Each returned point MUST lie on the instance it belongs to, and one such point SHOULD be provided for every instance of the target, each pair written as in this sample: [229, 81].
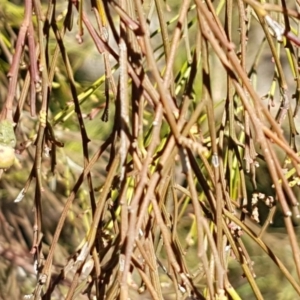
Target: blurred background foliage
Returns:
[157, 149]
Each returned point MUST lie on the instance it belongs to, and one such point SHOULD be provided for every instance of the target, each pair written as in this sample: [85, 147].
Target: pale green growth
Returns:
[7, 156]
[7, 144]
[7, 134]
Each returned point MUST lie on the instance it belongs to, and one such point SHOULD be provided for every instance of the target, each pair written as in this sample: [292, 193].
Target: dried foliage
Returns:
[143, 183]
